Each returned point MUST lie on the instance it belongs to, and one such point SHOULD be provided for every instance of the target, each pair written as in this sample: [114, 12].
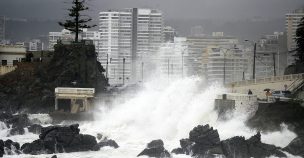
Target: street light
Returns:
[224, 68]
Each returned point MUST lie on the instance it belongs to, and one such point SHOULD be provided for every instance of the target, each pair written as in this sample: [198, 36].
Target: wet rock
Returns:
[11, 147]
[17, 131]
[1, 148]
[155, 149]
[296, 146]
[37, 147]
[108, 142]
[20, 121]
[178, 151]
[61, 139]
[186, 145]
[35, 128]
[235, 147]
[204, 138]
[155, 143]
[54, 156]
[258, 149]
[99, 136]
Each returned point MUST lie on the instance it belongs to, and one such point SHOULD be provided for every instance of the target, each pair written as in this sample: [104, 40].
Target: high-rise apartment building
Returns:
[292, 21]
[169, 34]
[2, 28]
[197, 46]
[225, 64]
[128, 38]
[172, 58]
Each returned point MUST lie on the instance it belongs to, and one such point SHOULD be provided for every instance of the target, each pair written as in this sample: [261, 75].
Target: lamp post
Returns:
[107, 66]
[123, 70]
[224, 68]
[142, 72]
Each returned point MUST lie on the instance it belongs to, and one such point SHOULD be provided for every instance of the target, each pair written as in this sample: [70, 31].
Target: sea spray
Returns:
[162, 110]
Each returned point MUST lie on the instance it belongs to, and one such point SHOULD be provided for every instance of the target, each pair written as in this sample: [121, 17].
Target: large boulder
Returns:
[108, 142]
[238, 147]
[296, 146]
[235, 147]
[61, 139]
[204, 138]
[155, 149]
[35, 128]
[11, 147]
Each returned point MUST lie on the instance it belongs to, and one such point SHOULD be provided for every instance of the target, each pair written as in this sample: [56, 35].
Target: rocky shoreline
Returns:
[203, 141]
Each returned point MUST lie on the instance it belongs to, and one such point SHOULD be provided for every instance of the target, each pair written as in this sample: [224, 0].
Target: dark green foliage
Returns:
[300, 42]
[77, 21]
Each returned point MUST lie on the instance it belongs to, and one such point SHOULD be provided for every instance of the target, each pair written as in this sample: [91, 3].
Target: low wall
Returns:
[6, 69]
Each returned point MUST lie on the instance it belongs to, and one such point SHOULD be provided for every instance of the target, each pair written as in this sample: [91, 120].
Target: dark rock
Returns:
[204, 138]
[296, 146]
[108, 142]
[5, 116]
[99, 136]
[11, 147]
[178, 151]
[155, 144]
[238, 147]
[235, 147]
[186, 145]
[60, 139]
[270, 116]
[157, 150]
[37, 147]
[1, 148]
[20, 121]
[54, 156]
[35, 128]
[17, 131]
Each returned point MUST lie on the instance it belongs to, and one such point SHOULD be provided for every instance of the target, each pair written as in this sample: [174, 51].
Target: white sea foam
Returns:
[163, 110]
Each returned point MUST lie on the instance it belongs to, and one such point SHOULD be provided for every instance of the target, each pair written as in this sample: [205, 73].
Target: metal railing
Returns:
[67, 90]
[267, 80]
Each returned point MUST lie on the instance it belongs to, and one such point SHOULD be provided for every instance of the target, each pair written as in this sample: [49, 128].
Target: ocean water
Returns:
[162, 109]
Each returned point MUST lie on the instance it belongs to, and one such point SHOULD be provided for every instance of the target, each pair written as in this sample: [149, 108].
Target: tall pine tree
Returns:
[300, 42]
[77, 21]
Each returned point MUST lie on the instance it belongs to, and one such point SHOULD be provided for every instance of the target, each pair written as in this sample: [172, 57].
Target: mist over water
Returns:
[162, 109]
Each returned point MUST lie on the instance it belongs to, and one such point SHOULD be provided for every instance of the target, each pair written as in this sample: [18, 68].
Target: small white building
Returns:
[9, 56]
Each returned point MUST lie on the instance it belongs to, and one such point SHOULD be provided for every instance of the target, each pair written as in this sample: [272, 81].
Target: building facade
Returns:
[226, 64]
[128, 38]
[271, 55]
[172, 59]
[292, 21]
[196, 50]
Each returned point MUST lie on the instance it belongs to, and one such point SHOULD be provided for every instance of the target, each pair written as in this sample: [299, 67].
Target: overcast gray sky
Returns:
[173, 9]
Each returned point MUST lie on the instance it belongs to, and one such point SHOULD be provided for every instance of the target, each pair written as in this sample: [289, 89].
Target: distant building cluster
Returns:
[131, 43]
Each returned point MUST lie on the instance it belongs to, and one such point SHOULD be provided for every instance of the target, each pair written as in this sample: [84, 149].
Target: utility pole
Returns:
[107, 66]
[123, 71]
[224, 80]
[274, 65]
[142, 72]
[254, 56]
[168, 69]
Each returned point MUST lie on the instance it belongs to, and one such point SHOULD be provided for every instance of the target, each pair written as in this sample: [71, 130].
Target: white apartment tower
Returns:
[128, 38]
[292, 21]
